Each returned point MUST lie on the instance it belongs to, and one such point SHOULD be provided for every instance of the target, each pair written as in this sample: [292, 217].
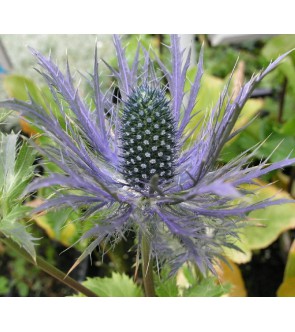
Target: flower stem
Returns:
[147, 268]
[282, 100]
[49, 269]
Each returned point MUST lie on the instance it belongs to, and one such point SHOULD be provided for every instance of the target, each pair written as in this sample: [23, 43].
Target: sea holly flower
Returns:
[128, 163]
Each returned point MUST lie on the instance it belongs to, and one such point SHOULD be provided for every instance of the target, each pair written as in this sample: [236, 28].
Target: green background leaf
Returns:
[265, 225]
[207, 288]
[165, 285]
[15, 172]
[4, 285]
[119, 285]
[287, 288]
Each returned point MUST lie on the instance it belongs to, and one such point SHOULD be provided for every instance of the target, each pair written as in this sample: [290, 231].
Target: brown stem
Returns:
[49, 269]
[291, 180]
[282, 100]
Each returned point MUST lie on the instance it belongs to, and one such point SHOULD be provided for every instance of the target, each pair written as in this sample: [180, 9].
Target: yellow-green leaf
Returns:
[265, 225]
[233, 276]
[275, 219]
[58, 225]
[279, 45]
[290, 267]
[287, 288]
[208, 96]
[20, 87]
[251, 108]
[237, 256]
[118, 285]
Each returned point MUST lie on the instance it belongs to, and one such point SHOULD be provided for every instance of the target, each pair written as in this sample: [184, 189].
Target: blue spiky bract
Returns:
[180, 200]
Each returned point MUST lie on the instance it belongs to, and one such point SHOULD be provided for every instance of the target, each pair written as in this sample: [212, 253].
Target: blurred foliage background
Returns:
[267, 266]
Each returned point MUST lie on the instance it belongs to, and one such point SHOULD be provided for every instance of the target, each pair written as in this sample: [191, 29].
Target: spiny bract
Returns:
[128, 163]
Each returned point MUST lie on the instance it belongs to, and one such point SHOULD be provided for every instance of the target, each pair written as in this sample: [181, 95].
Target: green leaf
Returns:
[59, 225]
[15, 168]
[290, 266]
[146, 40]
[265, 225]
[287, 288]
[19, 234]
[262, 130]
[17, 213]
[15, 172]
[7, 153]
[231, 274]
[207, 287]
[288, 128]
[279, 45]
[166, 286]
[250, 109]
[119, 285]
[208, 96]
[192, 283]
[4, 285]
[274, 219]
[23, 288]
[238, 256]
[20, 87]
[4, 114]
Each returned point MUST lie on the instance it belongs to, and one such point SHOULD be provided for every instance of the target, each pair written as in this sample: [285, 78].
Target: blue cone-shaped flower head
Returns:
[148, 138]
[129, 162]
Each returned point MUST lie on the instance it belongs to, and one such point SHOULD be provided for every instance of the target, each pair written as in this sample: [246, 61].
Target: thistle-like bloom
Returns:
[126, 162]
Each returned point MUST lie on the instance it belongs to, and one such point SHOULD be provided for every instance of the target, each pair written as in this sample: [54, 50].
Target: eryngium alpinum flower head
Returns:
[127, 162]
